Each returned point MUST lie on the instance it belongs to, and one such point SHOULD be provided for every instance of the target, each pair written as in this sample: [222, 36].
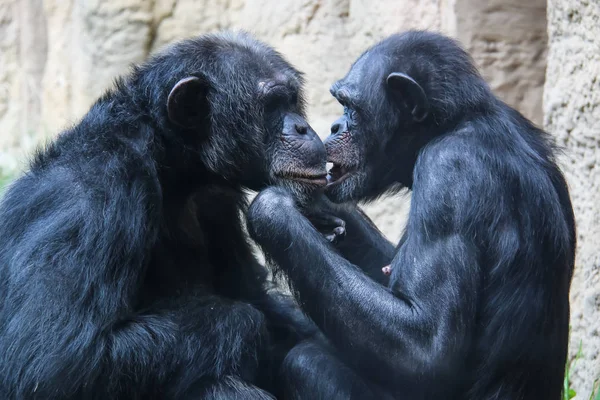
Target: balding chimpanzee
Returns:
[125, 272]
[477, 304]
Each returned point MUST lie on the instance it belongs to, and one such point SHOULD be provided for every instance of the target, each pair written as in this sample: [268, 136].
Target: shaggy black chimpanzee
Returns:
[477, 305]
[124, 269]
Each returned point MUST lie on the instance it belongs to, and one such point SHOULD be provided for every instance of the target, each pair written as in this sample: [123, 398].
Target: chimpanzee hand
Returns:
[269, 211]
[274, 206]
[322, 215]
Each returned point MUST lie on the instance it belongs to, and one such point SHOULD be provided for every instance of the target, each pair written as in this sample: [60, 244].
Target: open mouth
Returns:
[337, 174]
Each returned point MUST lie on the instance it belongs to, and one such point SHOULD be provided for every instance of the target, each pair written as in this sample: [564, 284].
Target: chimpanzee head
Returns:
[397, 96]
[238, 107]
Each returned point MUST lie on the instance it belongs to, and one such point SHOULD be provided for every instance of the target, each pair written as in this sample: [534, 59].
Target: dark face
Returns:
[295, 155]
[354, 138]
[347, 146]
[248, 106]
[366, 142]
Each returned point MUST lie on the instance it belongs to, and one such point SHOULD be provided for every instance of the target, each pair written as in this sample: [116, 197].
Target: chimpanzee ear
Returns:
[187, 104]
[411, 93]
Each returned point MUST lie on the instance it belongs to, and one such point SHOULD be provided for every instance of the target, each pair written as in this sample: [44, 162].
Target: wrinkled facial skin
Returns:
[353, 137]
[344, 150]
[373, 145]
[244, 115]
[297, 154]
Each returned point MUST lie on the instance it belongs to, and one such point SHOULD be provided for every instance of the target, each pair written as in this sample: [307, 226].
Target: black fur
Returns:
[477, 305]
[125, 272]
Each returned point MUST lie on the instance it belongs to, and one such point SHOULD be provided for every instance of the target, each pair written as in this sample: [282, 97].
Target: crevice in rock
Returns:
[155, 25]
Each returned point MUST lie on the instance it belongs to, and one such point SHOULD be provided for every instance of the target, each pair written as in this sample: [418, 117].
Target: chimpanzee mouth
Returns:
[338, 173]
[316, 180]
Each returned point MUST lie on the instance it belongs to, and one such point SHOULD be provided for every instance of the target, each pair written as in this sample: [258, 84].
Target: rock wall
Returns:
[572, 114]
[507, 39]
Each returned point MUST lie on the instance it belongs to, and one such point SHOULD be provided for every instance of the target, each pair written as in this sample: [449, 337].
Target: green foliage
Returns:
[569, 393]
[595, 390]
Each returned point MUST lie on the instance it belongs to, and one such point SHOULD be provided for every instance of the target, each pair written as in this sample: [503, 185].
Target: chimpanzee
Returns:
[477, 304]
[125, 272]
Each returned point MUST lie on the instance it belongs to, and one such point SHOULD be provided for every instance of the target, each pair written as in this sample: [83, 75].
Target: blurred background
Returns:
[542, 57]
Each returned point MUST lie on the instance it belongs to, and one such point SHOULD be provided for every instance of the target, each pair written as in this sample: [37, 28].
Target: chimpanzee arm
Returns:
[421, 329]
[362, 243]
[212, 336]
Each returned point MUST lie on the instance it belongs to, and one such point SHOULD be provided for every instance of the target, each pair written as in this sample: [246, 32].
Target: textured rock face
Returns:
[572, 114]
[507, 39]
[57, 57]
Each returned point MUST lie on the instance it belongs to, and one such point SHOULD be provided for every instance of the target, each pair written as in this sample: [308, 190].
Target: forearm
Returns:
[364, 245]
[404, 331]
[336, 294]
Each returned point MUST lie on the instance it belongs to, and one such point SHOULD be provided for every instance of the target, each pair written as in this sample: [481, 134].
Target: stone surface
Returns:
[10, 83]
[507, 39]
[572, 114]
[90, 43]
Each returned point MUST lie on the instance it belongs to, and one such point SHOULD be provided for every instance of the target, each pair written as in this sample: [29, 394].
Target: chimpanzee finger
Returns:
[340, 231]
[330, 237]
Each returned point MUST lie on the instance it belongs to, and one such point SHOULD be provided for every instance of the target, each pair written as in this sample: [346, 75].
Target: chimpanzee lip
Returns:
[319, 180]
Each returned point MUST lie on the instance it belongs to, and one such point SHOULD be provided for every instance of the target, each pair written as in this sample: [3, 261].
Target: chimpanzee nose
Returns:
[296, 125]
[301, 128]
[335, 128]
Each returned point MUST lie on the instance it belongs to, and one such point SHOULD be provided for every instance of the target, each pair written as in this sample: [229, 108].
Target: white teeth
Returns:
[328, 166]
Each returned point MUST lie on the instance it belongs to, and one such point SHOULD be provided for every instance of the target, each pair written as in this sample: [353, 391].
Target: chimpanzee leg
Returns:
[311, 371]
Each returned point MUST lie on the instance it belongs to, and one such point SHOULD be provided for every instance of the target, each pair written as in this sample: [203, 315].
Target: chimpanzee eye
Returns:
[350, 113]
[275, 98]
[271, 103]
